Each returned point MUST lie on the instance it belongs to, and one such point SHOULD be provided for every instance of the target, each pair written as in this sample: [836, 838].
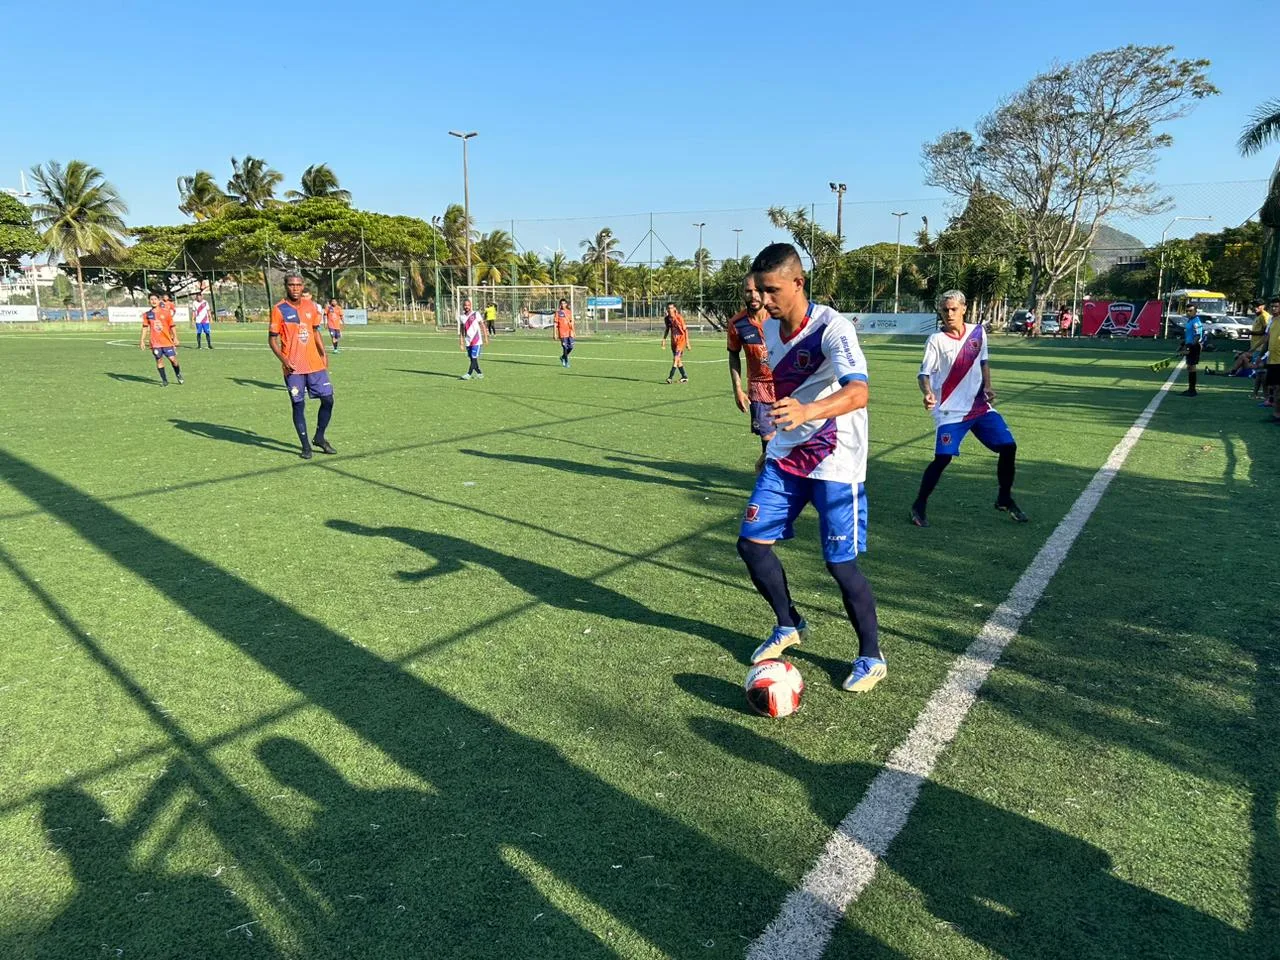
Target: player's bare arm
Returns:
[735, 378]
[273, 341]
[986, 383]
[789, 413]
[930, 401]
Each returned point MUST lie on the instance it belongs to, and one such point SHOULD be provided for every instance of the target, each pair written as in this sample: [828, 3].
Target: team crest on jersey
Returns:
[946, 439]
[753, 512]
[803, 359]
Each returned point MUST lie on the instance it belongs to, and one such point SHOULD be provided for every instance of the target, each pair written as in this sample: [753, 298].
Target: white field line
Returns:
[846, 866]
[550, 356]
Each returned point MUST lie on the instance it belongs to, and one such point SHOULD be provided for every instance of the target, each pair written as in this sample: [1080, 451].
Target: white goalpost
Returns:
[524, 306]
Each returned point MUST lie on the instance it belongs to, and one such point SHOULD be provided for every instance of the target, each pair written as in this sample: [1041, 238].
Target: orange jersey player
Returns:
[157, 324]
[333, 321]
[675, 328]
[746, 334]
[295, 339]
[564, 331]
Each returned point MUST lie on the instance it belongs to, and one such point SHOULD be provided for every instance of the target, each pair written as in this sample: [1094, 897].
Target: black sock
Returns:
[932, 474]
[177, 370]
[164, 377]
[672, 374]
[860, 605]
[1191, 379]
[1004, 472]
[322, 418]
[683, 375]
[770, 579]
[300, 422]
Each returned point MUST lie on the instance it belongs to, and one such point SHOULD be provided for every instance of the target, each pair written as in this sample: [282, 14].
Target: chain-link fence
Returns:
[864, 256]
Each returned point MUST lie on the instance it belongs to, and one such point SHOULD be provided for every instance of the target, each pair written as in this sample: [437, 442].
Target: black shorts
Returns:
[1193, 354]
[1273, 375]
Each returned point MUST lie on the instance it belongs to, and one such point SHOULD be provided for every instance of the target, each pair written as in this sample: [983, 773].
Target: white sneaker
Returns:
[465, 376]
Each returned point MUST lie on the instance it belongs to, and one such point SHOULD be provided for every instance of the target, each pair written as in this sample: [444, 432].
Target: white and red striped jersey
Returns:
[816, 361]
[200, 311]
[954, 368]
[471, 324]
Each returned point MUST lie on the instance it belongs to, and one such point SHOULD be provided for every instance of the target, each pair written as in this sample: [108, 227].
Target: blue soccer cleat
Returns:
[867, 672]
[779, 640]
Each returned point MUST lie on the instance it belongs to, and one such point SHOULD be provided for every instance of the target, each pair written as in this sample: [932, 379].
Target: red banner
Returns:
[1120, 318]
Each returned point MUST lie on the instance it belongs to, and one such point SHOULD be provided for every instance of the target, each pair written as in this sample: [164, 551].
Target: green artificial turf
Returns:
[471, 687]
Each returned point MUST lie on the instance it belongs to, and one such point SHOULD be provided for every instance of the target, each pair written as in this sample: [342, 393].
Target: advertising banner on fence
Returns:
[355, 316]
[894, 324]
[17, 314]
[1120, 318]
[134, 314]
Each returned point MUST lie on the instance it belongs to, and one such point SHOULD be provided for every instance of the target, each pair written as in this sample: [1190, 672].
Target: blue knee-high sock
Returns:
[300, 422]
[770, 579]
[322, 418]
[860, 605]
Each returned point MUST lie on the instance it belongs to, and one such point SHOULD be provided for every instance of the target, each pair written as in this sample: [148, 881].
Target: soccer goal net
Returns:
[527, 306]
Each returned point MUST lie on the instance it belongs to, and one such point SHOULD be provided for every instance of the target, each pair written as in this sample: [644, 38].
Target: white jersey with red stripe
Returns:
[200, 311]
[816, 361]
[954, 368]
[471, 324]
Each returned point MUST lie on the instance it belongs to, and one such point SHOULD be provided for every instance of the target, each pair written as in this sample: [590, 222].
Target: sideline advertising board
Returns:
[893, 324]
[354, 316]
[18, 314]
[134, 315]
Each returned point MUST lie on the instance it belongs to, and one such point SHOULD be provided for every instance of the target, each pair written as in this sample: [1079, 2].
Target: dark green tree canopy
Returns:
[17, 237]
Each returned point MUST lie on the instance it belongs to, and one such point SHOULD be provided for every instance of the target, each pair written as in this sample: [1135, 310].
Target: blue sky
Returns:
[588, 112]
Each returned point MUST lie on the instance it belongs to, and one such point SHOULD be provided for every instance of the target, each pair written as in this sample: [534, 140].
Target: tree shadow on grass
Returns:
[553, 587]
[548, 846]
[1021, 889]
[428, 373]
[703, 477]
[218, 431]
[134, 378]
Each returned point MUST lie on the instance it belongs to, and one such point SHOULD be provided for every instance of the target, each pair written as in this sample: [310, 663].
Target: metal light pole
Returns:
[838, 189]
[1164, 314]
[697, 255]
[737, 237]
[897, 259]
[438, 223]
[466, 199]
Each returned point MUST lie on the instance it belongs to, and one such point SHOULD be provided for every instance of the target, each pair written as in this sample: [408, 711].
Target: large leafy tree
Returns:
[1264, 128]
[199, 196]
[17, 237]
[78, 212]
[455, 228]
[319, 181]
[821, 246]
[1072, 147]
[253, 183]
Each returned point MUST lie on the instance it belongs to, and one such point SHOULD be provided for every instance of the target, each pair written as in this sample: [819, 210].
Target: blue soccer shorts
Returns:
[302, 385]
[566, 343]
[473, 353]
[159, 352]
[780, 496]
[990, 429]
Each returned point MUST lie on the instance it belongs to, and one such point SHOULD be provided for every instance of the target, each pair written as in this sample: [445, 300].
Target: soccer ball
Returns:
[774, 688]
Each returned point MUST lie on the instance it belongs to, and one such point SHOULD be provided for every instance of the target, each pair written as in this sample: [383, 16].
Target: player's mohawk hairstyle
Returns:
[776, 256]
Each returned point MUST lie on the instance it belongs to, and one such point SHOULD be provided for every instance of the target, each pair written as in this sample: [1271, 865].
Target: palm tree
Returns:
[558, 265]
[1263, 127]
[79, 212]
[253, 183]
[455, 227]
[532, 269]
[601, 252]
[319, 180]
[200, 196]
[492, 256]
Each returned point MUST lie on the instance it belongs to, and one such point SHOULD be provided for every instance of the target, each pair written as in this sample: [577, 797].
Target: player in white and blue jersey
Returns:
[956, 383]
[818, 455]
